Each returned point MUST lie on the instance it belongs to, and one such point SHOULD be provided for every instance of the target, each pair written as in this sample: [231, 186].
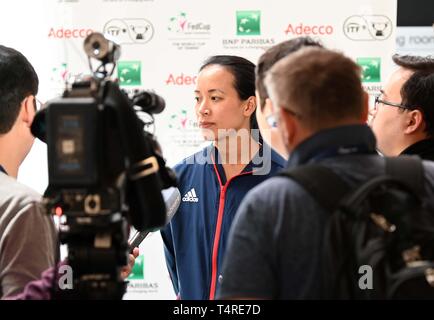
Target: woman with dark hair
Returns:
[215, 180]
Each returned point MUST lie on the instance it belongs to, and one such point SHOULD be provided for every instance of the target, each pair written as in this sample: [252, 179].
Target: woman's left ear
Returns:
[250, 106]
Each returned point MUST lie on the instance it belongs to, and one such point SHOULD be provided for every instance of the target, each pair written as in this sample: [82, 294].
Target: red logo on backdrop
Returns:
[180, 80]
[69, 33]
[307, 30]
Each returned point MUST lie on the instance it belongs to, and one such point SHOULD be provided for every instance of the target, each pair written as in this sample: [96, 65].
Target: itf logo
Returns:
[130, 73]
[129, 31]
[371, 69]
[368, 28]
[248, 23]
[138, 272]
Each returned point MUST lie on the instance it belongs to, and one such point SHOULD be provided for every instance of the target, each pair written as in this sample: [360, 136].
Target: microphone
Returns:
[149, 102]
[172, 199]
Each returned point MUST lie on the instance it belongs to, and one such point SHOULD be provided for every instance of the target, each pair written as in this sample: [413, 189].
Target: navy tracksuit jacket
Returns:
[195, 240]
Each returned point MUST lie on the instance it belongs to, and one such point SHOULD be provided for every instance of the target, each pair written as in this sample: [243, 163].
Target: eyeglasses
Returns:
[272, 118]
[398, 105]
[38, 104]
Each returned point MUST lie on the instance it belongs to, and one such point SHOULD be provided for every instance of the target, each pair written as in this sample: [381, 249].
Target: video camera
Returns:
[105, 171]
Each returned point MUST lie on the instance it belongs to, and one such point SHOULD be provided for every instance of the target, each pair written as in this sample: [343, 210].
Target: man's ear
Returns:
[250, 106]
[268, 107]
[288, 128]
[28, 110]
[414, 121]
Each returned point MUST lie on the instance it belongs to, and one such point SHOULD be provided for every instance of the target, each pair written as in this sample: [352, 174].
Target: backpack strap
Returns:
[325, 186]
[329, 189]
[408, 169]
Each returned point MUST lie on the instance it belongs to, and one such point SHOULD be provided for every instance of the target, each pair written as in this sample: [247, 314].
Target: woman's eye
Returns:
[196, 99]
[215, 98]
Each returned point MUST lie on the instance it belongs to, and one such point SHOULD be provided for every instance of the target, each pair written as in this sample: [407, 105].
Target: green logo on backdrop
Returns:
[371, 69]
[138, 272]
[130, 73]
[248, 23]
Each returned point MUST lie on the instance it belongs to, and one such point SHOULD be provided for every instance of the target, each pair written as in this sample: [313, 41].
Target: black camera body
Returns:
[71, 142]
[105, 175]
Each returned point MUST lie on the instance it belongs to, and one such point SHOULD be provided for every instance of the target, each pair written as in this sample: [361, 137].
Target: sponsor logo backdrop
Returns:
[163, 44]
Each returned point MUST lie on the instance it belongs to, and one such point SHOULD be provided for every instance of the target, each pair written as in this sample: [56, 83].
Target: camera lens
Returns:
[96, 46]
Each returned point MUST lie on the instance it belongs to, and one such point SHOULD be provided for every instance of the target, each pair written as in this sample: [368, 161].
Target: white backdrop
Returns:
[163, 44]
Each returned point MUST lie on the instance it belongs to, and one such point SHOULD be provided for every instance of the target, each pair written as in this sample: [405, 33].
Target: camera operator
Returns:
[27, 234]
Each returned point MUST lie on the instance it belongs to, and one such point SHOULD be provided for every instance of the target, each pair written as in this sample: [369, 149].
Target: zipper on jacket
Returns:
[214, 266]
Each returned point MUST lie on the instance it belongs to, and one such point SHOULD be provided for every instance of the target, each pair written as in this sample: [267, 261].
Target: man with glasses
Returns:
[27, 233]
[403, 116]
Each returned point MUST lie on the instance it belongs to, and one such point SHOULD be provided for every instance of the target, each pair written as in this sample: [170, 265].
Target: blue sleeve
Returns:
[169, 253]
